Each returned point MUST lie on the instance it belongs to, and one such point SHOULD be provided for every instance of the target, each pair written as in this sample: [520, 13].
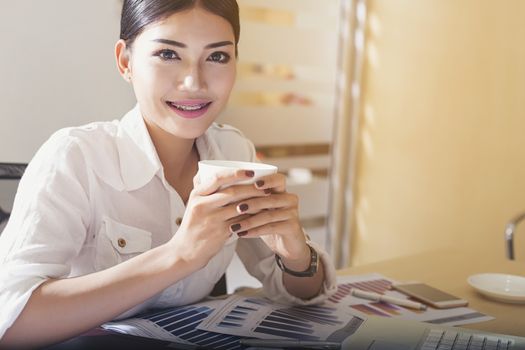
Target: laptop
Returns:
[383, 333]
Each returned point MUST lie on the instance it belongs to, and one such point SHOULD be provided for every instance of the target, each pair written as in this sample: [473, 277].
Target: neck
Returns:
[174, 153]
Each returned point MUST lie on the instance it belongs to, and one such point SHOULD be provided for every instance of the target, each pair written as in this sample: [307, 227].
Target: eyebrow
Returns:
[182, 45]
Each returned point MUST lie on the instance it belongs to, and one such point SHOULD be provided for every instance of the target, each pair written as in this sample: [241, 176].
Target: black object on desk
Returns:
[101, 339]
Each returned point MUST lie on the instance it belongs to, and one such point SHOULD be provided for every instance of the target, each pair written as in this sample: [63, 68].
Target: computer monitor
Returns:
[10, 174]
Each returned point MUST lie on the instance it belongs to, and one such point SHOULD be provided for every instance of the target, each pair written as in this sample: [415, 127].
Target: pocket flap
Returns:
[127, 239]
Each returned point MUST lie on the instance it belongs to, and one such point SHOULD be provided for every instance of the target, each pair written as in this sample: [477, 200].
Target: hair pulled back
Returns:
[137, 14]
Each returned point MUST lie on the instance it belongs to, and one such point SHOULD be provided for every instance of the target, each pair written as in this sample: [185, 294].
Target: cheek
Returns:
[153, 81]
[223, 82]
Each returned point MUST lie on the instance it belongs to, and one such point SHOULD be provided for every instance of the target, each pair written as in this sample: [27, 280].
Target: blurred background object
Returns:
[10, 174]
[439, 148]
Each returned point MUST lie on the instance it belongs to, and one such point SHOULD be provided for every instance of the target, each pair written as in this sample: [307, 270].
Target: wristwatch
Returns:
[309, 272]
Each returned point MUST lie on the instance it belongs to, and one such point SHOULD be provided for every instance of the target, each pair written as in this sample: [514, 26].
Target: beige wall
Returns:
[57, 69]
[441, 157]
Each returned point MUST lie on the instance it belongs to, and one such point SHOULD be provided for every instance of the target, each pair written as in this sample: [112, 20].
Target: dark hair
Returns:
[137, 14]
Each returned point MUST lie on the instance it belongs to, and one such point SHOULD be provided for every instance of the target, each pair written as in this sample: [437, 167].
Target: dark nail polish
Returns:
[235, 227]
[243, 207]
[242, 234]
[250, 173]
[260, 183]
[268, 191]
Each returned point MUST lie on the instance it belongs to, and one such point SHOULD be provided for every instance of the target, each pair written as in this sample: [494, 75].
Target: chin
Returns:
[189, 130]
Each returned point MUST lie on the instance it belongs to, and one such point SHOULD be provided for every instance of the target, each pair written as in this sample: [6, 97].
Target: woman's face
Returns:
[182, 70]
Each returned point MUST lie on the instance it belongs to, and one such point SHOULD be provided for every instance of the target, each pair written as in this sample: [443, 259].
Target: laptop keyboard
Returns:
[438, 339]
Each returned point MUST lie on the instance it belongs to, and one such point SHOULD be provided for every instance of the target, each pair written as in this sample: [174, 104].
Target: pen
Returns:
[388, 299]
[290, 343]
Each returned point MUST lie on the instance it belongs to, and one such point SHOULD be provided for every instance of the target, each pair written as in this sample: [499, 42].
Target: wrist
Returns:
[177, 263]
[299, 263]
[293, 267]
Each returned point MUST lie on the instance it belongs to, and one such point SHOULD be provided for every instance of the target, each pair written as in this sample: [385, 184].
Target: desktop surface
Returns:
[448, 270]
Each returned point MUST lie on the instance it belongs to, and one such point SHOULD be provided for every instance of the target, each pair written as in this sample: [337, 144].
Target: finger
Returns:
[279, 227]
[223, 178]
[230, 215]
[275, 183]
[264, 218]
[196, 181]
[236, 193]
[224, 201]
[220, 216]
[275, 201]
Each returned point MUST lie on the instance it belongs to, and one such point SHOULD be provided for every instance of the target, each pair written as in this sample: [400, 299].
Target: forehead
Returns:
[194, 24]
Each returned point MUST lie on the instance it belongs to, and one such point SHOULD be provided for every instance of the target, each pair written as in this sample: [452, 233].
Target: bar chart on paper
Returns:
[178, 325]
[260, 318]
[380, 284]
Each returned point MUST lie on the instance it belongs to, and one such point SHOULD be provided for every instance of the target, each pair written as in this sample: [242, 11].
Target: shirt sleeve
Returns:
[47, 226]
[259, 261]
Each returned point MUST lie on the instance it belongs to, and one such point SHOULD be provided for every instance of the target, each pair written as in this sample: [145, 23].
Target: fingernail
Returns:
[260, 183]
[268, 191]
[235, 227]
[242, 234]
[250, 173]
[243, 207]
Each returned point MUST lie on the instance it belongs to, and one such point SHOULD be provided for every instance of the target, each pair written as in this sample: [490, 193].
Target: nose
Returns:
[190, 80]
[189, 83]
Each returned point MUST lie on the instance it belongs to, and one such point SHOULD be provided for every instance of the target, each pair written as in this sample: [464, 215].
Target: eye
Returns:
[167, 55]
[219, 57]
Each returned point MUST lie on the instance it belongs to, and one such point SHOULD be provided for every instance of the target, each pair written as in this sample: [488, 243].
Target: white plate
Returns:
[498, 286]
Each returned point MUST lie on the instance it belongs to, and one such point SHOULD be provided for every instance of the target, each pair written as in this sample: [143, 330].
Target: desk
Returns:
[448, 270]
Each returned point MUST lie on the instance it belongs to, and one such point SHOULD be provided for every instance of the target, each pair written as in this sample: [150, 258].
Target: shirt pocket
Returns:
[118, 242]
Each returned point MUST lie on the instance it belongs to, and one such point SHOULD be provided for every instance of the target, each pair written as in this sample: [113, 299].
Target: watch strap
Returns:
[309, 272]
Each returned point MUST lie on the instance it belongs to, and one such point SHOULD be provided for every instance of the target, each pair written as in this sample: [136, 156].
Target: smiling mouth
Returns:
[190, 108]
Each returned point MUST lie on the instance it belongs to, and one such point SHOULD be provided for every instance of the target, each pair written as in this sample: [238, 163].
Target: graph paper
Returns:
[261, 318]
[380, 284]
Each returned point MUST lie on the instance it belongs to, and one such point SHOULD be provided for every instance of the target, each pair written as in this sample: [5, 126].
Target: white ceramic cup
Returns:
[208, 169]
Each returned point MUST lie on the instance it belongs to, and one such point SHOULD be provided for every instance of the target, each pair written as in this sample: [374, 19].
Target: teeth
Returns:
[189, 108]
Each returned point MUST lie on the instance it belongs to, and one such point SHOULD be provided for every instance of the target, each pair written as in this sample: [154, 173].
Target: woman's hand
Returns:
[274, 218]
[210, 212]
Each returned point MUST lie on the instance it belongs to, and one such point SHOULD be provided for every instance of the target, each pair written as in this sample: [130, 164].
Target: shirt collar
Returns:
[139, 161]
[138, 157]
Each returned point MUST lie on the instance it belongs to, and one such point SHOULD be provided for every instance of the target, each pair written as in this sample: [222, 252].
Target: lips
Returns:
[190, 109]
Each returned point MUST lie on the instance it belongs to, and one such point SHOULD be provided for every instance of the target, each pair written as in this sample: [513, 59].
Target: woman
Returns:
[110, 218]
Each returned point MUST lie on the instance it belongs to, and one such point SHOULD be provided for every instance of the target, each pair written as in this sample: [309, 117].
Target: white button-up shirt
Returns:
[94, 196]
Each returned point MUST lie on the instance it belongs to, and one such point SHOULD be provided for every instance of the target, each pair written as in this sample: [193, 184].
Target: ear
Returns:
[122, 55]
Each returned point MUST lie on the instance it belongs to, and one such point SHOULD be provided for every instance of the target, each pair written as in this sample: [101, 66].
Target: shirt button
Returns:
[220, 125]
[121, 242]
[178, 221]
